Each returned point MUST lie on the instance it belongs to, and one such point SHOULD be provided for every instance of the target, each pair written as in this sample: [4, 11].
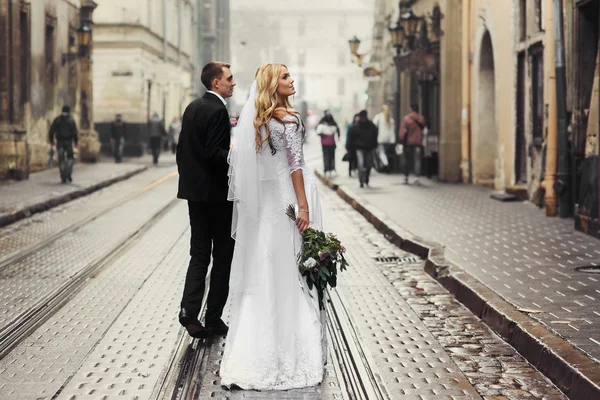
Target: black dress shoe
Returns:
[192, 325]
[217, 328]
[186, 317]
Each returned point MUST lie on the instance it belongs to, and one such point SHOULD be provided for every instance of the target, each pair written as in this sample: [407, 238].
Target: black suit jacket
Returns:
[202, 151]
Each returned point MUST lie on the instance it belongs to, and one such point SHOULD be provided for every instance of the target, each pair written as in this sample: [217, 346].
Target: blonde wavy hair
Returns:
[386, 113]
[267, 81]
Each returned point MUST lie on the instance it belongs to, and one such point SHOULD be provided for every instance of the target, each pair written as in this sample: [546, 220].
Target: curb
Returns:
[28, 211]
[571, 371]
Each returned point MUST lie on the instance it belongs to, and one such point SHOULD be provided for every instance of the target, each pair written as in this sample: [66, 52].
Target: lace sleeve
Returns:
[293, 139]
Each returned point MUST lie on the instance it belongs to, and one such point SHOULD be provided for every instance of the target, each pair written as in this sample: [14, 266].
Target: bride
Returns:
[276, 337]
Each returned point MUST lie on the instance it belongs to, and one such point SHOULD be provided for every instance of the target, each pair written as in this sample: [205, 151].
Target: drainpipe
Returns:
[563, 184]
[466, 166]
[552, 138]
[165, 30]
[179, 5]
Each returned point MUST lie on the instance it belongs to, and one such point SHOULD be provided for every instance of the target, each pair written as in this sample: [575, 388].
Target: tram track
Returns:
[357, 379]
[28, 251]
[22, 325]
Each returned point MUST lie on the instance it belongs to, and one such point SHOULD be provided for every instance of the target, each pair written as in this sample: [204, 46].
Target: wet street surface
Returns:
[90, 293]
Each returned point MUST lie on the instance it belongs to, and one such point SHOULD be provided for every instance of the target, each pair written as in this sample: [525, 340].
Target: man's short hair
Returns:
[363, 114]
[211, 71]
[66, 109]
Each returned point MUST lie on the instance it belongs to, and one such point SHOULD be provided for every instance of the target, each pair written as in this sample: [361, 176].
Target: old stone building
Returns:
[145, 55]
[39, 73]
[584, 77]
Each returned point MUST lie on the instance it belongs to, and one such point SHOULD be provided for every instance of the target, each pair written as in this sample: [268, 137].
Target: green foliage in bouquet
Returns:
[321, 256]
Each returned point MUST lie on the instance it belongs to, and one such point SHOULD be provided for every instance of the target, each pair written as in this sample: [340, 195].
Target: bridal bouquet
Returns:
[321, 256]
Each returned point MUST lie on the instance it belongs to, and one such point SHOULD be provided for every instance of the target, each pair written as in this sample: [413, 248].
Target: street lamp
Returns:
[398, 37]
[410, 23]
[84, 38]
[354, 44]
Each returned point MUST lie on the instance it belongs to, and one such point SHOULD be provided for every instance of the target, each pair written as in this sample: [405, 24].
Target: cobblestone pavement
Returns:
[44, 190]
[513, 248]
[115, 337]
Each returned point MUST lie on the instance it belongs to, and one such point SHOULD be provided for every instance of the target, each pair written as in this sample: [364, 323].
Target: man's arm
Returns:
[217, 135]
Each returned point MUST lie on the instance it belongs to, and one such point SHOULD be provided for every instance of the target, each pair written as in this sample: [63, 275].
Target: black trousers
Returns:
[155, 146]
[211, 233]
[328, 157]
[65, 159]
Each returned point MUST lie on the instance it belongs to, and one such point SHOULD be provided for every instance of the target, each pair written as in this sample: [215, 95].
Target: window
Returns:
[341, 58]
[301, 27]
[538, 14]
[341, 86]
[49, 48]
[537, 77]
[523, 20]
[301, 58]
[25, 52]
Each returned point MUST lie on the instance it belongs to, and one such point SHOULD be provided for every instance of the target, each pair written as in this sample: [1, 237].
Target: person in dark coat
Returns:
[351, 154]
[63, 133]
[118, 132]
[362, 139]
[156, 133]
[202, 153]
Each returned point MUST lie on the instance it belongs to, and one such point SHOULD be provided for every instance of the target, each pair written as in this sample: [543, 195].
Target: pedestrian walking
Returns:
[350, 156]
[157, 132]
[202, 153]
[118, 132]
[386, 138]
[411, 137]
[327, 129]
[174, 131]
[63, 134]
[362, 139]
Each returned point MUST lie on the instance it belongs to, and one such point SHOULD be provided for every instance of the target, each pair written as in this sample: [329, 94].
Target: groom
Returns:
[202, 163]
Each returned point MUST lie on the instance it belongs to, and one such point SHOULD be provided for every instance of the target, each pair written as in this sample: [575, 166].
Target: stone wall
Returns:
[37, 84]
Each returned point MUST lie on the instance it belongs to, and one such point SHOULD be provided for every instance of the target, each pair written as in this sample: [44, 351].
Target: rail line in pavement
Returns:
[22, 254]
[21, 326]
[189, 364]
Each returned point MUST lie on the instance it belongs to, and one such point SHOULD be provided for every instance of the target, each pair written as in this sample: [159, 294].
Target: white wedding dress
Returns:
[276, 337]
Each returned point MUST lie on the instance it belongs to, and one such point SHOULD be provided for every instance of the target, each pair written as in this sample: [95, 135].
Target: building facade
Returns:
[311, 38]
[584, 77]
[38, 76]
[434, 89]
[146, 55]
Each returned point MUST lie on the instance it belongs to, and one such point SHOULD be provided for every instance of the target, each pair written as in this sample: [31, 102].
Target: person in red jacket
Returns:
[411, 137]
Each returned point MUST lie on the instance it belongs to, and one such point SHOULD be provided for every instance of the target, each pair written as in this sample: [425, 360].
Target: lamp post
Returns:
[398, 37]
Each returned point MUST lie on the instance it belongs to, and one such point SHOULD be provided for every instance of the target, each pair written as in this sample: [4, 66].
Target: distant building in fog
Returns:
[311, 38]
[145, 57]
[215, 33]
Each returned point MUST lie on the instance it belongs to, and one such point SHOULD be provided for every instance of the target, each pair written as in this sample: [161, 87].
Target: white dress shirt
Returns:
[219, 96]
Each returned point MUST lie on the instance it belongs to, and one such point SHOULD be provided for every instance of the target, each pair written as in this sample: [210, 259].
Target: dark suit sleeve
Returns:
[218, 137]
